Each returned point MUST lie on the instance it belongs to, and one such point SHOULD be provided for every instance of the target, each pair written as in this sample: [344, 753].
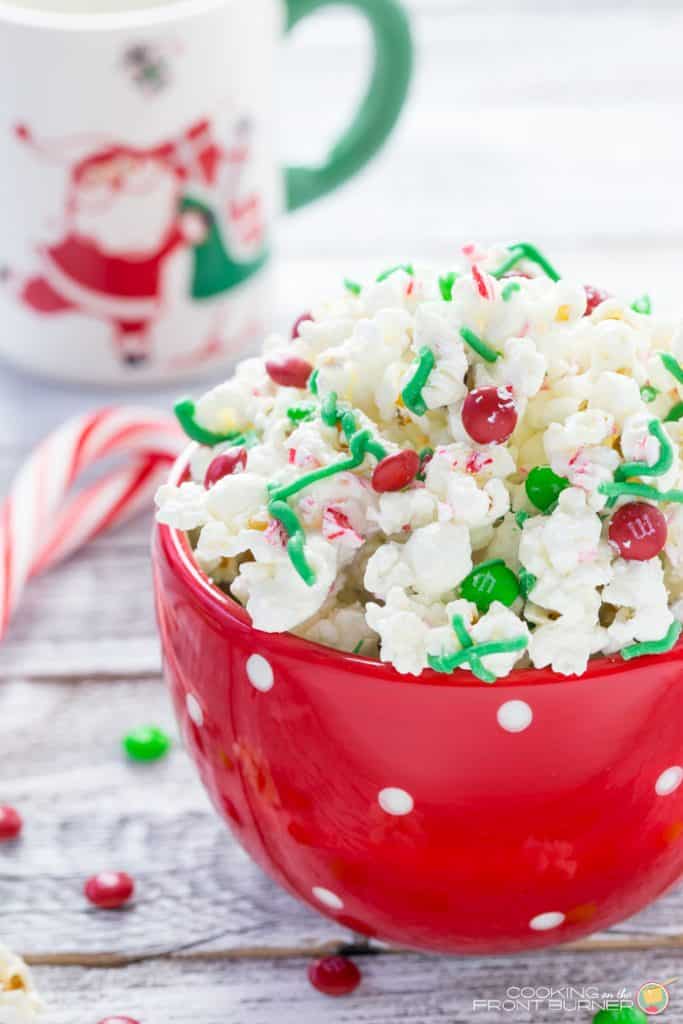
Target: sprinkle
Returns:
[488, 582]
[480, 282]
[642, 305]
[479, 346]
[674, 414]
[653, 646]
[185, 411]
[509, 290]
[301, 413]
[525, 251]
[328, 410]
[672, 365]
[147, 743]
[352, 286]
[471, 654]
[521, 517]
[648, 393]
[357, 648]
[408, 267]
[527, 581]
[313, 382]
[446, 286]
[412, 392]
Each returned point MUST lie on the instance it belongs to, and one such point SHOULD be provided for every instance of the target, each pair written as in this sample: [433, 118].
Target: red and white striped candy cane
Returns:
[44, 518]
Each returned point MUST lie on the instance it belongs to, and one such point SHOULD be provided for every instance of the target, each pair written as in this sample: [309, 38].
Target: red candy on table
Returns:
[289, 371]
[225, 465]
[118, 1020]
[638, 531]
[594, 297]
[297, 324]
[334, 975]
[489, 415]
[396, 471]
[109, 889]
[10, 823]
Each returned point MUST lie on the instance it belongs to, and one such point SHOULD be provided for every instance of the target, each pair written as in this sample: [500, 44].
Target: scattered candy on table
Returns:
[334, 975]
[11, 823]
[473, 470]
[109, 889]
[118, 1020]
[147, 743]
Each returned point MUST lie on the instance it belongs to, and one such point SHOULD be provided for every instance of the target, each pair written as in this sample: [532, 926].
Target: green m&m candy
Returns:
[146, 743]
[543, 487]
[488, 582]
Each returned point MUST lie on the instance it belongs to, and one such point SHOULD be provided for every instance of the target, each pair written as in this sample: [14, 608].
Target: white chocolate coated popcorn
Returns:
[19, 1001]
[425, 425]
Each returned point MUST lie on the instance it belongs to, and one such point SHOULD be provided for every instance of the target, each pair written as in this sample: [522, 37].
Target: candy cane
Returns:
[44, 518]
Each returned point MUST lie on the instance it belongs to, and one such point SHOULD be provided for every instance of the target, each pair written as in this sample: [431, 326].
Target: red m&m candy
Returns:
[297, 324]
[10, 823]
[289, 371]
[395, 471]
[109, 889]
[489, 415]
[638, 531]
[118, 1020]
[334, 975]
[594, 298]
[225, 465]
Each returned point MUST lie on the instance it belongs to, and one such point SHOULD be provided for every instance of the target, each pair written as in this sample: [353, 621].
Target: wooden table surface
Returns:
[558, 123]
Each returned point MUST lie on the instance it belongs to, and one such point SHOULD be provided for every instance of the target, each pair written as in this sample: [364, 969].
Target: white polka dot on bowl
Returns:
[544, 922]
[514, 715]
[395, 801]
[194, 709]
[260, 673]
[327, 898]
[669, 781]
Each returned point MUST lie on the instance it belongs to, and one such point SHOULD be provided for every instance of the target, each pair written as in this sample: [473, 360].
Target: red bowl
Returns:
[441, 813]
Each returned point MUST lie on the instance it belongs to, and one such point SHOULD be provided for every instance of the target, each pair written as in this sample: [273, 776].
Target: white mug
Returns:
[138, 186]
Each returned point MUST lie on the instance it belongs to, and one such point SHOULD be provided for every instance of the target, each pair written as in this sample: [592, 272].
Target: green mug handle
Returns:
[380, 108]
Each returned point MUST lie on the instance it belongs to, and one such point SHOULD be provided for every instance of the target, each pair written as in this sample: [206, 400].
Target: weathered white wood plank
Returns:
[410, 989]
[87, 809]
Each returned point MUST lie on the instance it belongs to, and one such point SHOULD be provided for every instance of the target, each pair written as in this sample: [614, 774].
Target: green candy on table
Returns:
[620, 1015]
[147, 743]
[543, 487]
[488, 582]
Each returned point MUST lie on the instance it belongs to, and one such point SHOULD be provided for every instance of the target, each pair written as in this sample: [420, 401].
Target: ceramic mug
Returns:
[138, 183]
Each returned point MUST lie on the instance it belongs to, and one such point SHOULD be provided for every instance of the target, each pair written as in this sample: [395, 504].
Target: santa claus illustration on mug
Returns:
[126, 211]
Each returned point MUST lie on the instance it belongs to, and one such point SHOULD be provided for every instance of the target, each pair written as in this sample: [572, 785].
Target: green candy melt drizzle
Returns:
[352, 286]
[296, 543]
[671, 364]
[471, 653]
[313, 383]
[479, 346]
[361, 443]
[642, 305]
[659, 468]
[635, 490]
[674, 414]
[408, 267]
[525, 251]
[412, 392]
[185, 412]
[300, 413]
[509, 290]
[527, 581]
[653, 646]
[446, 286]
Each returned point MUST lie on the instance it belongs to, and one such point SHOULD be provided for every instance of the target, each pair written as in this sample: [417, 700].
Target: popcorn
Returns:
[19, 1001]
[522, 419]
